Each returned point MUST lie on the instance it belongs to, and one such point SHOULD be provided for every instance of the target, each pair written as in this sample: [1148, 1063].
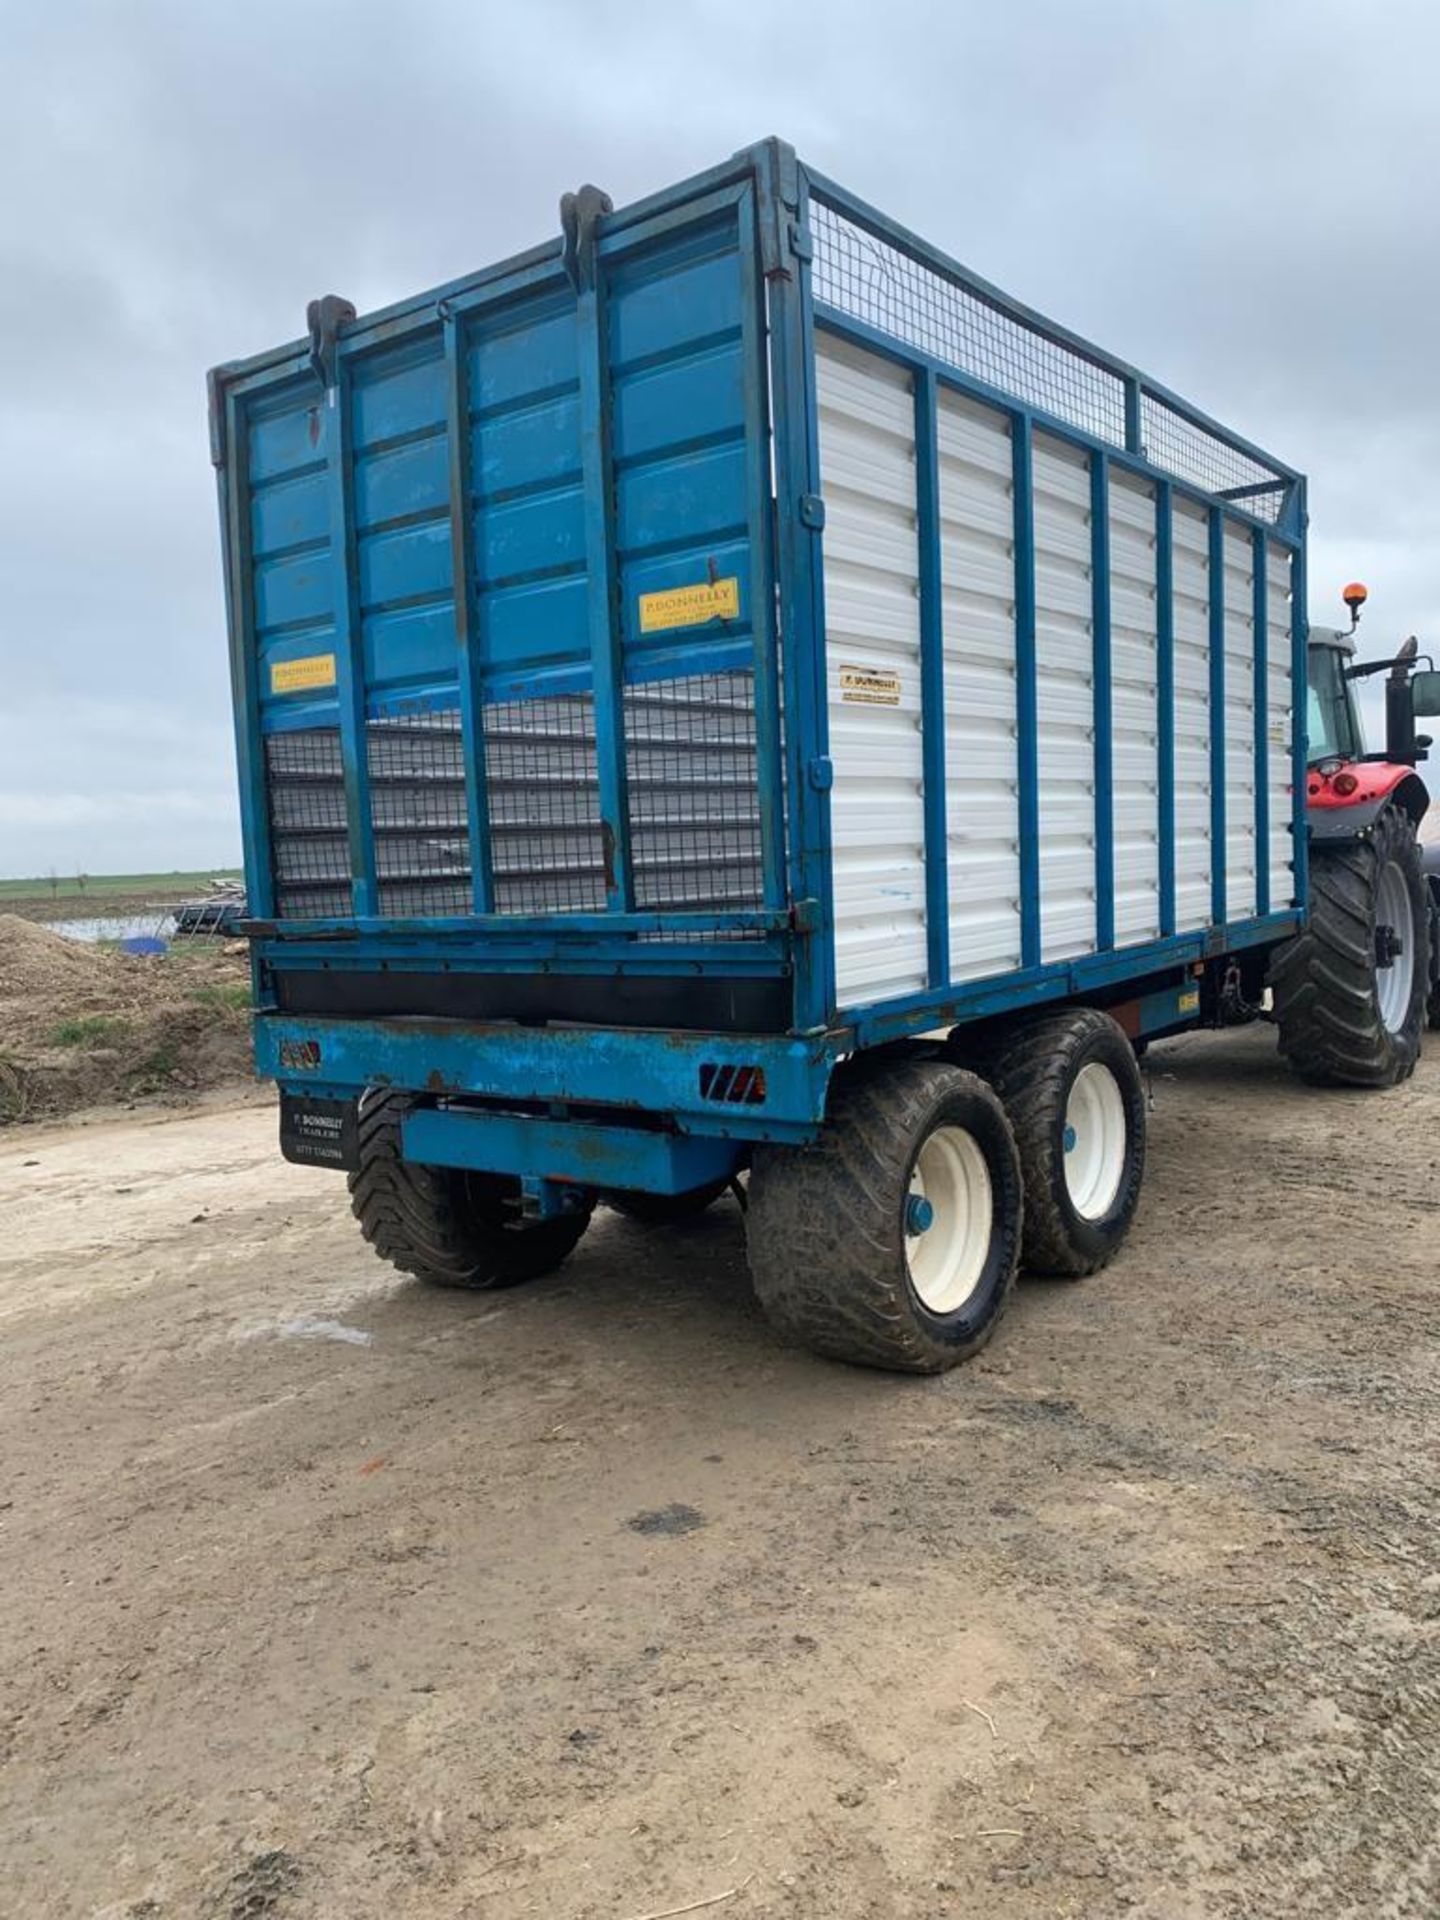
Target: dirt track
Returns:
[329, 1596]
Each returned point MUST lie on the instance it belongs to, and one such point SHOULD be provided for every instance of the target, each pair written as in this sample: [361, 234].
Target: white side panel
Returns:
[1065, 663]
[1240, 855]
[1191, 571]
[872, 628]
[1134, 674]
[1279, 721]
[977, 533]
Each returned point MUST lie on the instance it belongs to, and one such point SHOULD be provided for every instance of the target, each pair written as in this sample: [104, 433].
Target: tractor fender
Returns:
[1335, 818]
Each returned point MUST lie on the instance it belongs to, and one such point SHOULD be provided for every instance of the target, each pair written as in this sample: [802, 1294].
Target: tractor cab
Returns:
[1332, 720]
[1346, 787]
[1412, 690]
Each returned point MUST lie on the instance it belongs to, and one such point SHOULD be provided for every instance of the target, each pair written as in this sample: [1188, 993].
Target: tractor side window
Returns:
[1328, 722]
[1317, 726]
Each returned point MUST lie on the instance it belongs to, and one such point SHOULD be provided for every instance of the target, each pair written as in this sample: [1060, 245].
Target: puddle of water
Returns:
[309, 1327]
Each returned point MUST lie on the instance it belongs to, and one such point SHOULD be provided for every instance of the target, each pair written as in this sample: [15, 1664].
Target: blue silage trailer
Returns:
[730, 690]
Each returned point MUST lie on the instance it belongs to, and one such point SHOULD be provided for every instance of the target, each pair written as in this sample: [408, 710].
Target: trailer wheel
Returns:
[1350, 990]
[667, 1209]
[1070, 1084]
[448, 1227]
[892, 1241]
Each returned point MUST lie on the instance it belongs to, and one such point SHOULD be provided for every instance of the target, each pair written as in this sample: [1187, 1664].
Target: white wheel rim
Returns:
[1095, 1141]
[1394, 983]
[947, 1259]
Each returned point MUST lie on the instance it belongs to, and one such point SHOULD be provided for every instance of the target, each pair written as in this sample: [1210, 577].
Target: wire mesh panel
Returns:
[546, 850]
[897, 294]
[694, 798]
[419, 812]
[310, 853]
[1205, 460]
[885, 287]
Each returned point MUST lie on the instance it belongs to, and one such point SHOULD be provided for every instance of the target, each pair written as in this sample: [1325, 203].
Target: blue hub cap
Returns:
[919, 1214]
[1069, 1139]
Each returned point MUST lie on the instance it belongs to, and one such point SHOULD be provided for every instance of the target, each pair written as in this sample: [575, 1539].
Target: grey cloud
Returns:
[1239, 197]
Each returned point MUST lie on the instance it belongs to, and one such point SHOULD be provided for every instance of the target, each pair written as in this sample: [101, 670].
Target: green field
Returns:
[113, 886]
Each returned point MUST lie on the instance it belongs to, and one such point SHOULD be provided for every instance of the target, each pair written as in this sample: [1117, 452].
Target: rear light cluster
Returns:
[732, 1086]
[1344, 783]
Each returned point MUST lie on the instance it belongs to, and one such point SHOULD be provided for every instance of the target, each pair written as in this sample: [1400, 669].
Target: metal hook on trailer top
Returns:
[579, 213]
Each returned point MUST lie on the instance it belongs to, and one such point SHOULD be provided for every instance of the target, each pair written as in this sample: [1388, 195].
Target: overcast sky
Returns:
[1242, 196]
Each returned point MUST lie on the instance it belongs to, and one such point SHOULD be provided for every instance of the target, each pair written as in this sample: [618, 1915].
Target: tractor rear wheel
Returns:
[1350, 990]
[446, 1226]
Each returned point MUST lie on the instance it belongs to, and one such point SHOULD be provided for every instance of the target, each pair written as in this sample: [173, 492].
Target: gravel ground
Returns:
[326, 1595]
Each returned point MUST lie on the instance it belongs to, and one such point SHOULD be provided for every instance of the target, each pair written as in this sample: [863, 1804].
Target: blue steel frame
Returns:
[656, 1073]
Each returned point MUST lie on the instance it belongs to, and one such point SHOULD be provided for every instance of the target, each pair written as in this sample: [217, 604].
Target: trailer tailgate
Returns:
[499, 582]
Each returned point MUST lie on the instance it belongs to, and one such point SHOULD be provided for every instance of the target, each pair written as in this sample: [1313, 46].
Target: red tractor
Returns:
[1352, 993]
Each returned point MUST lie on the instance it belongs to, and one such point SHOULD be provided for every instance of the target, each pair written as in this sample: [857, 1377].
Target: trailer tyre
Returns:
[667, 1209]
[1350, 990]
[1070, 1084]
[892, 1240]
[448, 1227]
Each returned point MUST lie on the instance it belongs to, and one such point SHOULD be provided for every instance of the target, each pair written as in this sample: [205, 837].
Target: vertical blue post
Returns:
[1104, 702]
[605, 648]
[469, 660]
[800, 516]
[1027, 704]
[932, 678]
[234, 483]
[1262, 725]
[1299, 683]
[760, 531]
[1218, 849]
[1165, 699]
[349, 644]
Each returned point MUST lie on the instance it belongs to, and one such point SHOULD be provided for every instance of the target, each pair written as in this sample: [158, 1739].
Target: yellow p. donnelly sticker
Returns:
[690, 606]
[303, 676]
[870, 686]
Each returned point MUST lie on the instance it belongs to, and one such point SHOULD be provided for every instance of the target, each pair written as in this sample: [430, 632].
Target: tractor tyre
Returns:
[1350, 991]
[1073, 1092]
[892, 1240]
[667, 1209]
[1430, 858]
[445, 1225]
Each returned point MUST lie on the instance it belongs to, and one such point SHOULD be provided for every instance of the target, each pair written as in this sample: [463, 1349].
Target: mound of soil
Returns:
[83, 1025]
